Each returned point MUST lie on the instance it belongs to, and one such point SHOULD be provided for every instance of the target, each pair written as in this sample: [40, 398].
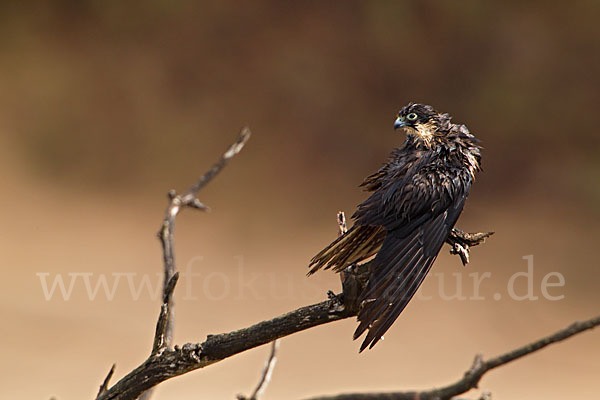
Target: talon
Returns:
[462, 251]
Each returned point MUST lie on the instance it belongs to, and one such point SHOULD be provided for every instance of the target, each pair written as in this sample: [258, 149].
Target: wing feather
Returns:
[356, 245]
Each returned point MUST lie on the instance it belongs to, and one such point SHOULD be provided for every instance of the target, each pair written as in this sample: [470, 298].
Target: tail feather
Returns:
[358, 244]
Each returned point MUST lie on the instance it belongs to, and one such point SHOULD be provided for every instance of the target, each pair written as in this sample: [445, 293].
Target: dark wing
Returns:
[375, 180]
[418, 213]
[359, 243]
[356, 245]
[398, 162]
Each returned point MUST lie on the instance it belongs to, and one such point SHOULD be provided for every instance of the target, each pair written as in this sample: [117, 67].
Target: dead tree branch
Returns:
[164, 327]
[191, 356]
[176, 204]
[166, 321]
[471, 378]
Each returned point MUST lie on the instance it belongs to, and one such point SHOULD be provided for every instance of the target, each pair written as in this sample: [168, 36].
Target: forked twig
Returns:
[164, 327]
[176, 204]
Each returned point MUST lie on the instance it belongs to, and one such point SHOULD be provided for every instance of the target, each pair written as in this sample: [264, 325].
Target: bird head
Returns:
[417, 120]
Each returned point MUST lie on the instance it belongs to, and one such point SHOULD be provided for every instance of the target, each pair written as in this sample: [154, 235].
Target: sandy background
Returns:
[104, 107]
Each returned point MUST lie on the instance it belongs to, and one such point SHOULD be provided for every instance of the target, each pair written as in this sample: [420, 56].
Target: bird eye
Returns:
[411, 116]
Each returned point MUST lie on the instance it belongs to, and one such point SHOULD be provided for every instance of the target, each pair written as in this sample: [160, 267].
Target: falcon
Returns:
[416, 198]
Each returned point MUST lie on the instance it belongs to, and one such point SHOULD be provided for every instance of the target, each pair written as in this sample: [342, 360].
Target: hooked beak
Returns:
[399, 123]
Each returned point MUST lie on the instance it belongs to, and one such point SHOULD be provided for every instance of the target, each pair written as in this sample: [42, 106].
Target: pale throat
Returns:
[424, 131]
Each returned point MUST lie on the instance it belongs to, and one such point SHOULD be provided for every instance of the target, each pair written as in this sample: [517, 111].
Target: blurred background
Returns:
[104, 106]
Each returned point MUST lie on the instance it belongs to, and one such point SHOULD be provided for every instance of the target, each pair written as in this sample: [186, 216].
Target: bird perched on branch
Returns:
[417, 196]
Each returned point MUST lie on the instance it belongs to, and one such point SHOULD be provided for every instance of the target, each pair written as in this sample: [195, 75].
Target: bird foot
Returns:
[461, 242]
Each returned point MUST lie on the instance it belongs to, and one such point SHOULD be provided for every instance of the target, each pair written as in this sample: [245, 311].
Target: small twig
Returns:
[471, 378]
[342, 229]
[233, 150]
[188, 199]
[266, 373]
[160, 337]
[104, 384]
[341, 219]
[354, 277]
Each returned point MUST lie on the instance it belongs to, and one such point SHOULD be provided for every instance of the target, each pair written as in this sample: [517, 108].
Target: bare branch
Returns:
[191, 356]
[234, 149]
[188, 199]
[471, 378]
[268, 371]
[164, 327]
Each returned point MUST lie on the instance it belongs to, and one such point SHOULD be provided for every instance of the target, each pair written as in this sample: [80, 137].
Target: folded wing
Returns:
[418, 211]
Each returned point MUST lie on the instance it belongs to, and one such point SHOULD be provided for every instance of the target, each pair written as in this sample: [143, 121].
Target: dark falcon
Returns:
[416, 199]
